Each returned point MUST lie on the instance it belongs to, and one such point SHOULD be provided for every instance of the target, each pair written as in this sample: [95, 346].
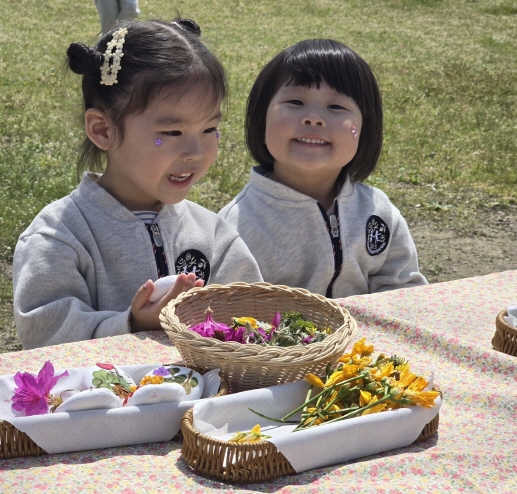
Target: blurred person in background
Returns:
[113, 11]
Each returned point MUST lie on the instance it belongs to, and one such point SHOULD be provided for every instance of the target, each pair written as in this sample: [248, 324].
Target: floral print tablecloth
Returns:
[447, 327]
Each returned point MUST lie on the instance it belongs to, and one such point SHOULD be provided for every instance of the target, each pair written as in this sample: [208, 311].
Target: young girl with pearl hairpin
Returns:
[152, 97]
[314, 126]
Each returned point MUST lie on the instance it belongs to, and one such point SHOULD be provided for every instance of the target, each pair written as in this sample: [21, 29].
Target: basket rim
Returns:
[256, 350]
[503, 323]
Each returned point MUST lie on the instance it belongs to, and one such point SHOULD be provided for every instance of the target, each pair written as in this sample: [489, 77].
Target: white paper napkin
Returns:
[511, 318]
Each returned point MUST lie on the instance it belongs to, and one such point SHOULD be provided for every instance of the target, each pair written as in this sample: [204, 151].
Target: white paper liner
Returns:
[95, 429]
[318, 446]
[511, 318]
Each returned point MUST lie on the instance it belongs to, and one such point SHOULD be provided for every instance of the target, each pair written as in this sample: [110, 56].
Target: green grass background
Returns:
[447, 71]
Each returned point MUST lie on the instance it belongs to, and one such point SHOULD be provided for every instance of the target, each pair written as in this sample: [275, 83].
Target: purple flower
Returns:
[161, 371]
[208, 327]
[32, 393]
[307, 339]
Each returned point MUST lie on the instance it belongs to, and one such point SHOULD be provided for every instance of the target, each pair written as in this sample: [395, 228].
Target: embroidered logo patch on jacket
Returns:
[193, 261]
[377, 235]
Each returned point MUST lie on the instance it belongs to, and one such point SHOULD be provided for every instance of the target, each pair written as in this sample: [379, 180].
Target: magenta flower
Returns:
[208, 327]
[33, 392]
[276, 320]
[238, 334]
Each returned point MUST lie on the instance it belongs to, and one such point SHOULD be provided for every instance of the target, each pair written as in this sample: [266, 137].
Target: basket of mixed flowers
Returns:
[257, 334]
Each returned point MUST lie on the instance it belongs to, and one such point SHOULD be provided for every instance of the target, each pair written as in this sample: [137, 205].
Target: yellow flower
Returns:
[376, 408]
[318, 421]
[346, 372]
[383, 371]
[346, 358]
[133, 388]
[364, 398]
[151, 380]
[253, 436]
[362, 348]
[406, 377]
[361, 362]
[256, 429]
[314, 380]
[424, 398]
[241, 321]
[419, 384]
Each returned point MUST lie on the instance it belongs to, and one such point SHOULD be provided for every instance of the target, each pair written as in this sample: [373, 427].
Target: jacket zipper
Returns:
[335, 239]
[163, 269]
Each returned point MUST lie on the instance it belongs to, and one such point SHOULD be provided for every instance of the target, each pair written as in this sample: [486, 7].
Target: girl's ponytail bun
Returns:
[83, 59]
[189, 25]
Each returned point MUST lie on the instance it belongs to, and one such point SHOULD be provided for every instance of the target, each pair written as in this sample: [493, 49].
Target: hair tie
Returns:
[113, 50]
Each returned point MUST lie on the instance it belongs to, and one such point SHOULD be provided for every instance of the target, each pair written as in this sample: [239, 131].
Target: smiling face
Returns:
[309, 133]
[142, 175]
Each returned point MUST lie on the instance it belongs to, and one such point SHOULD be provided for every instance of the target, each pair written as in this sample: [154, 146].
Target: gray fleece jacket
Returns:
[363, 246]
[79, 264]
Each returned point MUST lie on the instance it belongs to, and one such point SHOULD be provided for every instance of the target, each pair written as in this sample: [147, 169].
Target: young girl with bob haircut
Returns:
[314, 126]
[84, 267]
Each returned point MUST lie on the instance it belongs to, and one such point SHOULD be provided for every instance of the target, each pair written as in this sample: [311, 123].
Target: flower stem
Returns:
[282, 421]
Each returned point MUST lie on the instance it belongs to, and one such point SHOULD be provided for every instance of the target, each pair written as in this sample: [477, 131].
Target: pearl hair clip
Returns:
[113, 51]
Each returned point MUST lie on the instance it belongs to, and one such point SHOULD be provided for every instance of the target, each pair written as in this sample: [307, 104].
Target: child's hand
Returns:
[145, 314]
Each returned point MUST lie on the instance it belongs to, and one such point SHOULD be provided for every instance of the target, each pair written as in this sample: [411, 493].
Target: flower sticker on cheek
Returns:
[158, 142]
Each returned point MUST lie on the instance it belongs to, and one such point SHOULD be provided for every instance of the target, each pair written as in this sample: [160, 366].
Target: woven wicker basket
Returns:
[14, 443]
[255, 366]
[505, 337]
[245, 462]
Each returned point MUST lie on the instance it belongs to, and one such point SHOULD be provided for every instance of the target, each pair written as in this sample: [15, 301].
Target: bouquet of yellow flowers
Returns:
[360, 385]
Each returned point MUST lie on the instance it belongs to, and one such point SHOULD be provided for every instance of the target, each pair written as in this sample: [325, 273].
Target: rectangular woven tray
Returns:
[14, 443]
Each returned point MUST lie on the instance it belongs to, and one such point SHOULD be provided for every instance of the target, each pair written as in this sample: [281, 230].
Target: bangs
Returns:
[209, 84]
[318, 62]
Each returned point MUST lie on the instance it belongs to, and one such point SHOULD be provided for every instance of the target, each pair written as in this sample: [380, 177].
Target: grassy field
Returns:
[447, 71]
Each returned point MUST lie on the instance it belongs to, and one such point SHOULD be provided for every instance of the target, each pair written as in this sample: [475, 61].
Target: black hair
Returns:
[310, 63]
[157, 57]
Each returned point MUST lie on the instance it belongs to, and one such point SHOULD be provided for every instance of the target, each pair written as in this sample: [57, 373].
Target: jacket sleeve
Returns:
[53, 300]
[236, 263]
[400, 269]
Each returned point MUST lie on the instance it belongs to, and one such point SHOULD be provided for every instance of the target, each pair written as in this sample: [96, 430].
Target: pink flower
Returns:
[208, 327]
[106, 366]
[33, 392]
